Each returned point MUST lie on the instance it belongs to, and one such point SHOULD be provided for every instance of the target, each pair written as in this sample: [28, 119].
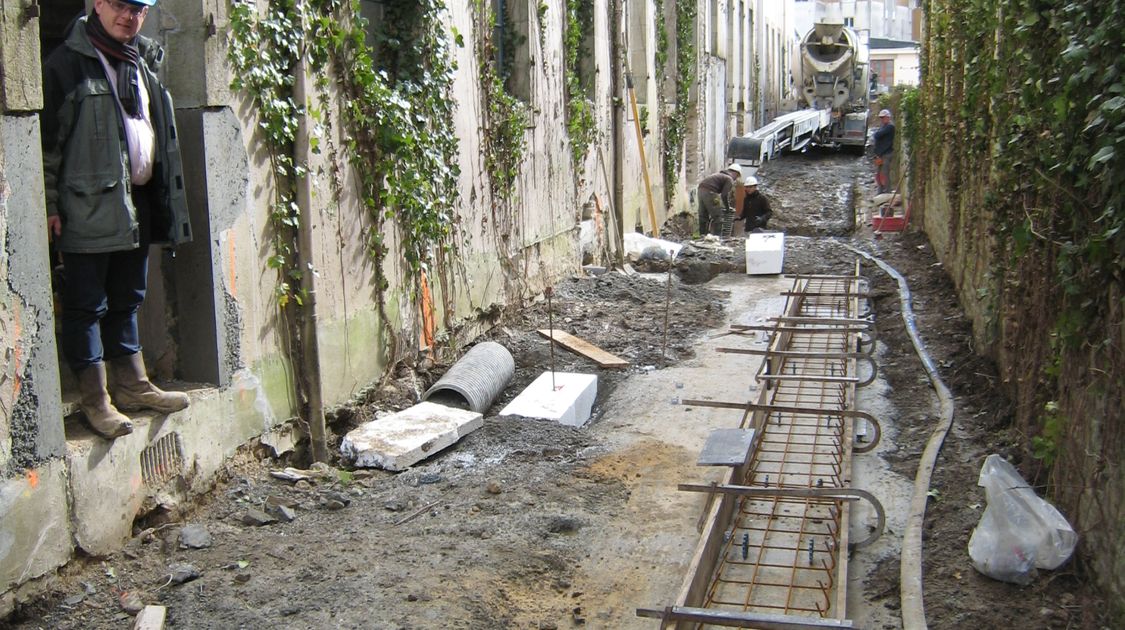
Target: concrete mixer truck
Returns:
[834, 76]
[833, 91]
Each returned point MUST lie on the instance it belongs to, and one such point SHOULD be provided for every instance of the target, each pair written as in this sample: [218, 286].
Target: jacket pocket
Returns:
[95, 208]
[96, 117]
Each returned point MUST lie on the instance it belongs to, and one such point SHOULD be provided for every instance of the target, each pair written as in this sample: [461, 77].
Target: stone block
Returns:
[106, 486]
[409, 436]
[764, 253]
[567, 398]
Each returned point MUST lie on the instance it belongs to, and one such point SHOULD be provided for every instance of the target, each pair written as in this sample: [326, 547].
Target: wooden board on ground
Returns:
[585, 348]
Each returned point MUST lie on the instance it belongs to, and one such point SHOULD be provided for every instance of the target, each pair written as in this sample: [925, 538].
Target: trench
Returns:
[815, 194]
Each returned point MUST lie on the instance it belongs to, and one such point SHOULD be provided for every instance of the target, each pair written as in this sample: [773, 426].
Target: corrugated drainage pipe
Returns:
[475, 380]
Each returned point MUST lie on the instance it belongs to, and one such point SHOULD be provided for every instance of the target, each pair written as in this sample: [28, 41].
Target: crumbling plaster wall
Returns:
[34, 513]
[33, 499]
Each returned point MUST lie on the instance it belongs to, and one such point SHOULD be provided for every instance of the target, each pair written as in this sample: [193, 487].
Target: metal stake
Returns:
[667, 307]
[549, 291]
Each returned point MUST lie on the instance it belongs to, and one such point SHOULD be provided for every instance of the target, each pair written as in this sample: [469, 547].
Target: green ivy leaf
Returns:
[1103, 155]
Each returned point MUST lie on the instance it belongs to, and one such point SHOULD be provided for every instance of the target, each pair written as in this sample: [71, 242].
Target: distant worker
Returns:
[716, 195]
[756, 210]
[114, 185]
[884, 151]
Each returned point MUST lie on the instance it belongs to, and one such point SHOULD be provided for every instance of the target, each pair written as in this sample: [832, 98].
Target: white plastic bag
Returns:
[1018, 532]
[636, 244]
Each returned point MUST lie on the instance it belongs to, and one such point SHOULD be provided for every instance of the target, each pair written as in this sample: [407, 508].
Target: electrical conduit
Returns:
[910, 564]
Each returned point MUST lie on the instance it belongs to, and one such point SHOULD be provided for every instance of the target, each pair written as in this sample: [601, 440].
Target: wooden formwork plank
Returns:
[585, 348]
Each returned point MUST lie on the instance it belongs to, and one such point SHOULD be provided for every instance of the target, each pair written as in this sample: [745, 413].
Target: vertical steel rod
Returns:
[551, 325]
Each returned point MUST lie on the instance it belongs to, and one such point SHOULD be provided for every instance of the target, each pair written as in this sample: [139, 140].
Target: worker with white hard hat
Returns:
[716, 195]
[884, 151]
[755, 210]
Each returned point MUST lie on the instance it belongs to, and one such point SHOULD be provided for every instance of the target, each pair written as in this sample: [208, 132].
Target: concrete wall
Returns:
[34, 517]
[744, 49]
[212, 321]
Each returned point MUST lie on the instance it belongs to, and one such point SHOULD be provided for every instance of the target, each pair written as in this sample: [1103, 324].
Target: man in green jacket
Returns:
[114, 185]
[716, 196]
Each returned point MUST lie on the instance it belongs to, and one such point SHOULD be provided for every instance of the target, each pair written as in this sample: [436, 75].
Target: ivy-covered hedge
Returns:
[1019, 171]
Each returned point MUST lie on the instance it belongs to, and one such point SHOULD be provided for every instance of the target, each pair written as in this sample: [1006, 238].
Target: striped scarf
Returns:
[125, 57]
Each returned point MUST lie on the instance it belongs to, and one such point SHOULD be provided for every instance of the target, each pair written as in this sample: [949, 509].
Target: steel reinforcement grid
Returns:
[774, 552]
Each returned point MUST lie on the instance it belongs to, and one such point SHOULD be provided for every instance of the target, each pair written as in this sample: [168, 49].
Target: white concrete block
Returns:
[764, 252]
[570, 401]
[409, 436]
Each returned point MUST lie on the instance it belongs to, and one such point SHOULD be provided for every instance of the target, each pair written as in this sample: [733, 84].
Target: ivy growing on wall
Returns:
[1034, 96]
[675, 117]
[398, 111]
[581, 125]
[505, 117]
[397, 117]
[270, 82]
[1021, 124]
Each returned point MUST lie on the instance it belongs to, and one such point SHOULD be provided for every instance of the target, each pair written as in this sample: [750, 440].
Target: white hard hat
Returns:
[885, 112]
[750, 181]
[737, 168]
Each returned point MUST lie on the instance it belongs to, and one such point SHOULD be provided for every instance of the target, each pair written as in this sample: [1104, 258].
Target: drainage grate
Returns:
[162, 461]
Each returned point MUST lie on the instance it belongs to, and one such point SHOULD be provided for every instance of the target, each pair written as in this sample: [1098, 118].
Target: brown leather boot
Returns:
[134, 391]
[101, 415]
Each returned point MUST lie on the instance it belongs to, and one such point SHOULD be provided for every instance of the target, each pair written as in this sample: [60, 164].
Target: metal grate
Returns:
[162, 461]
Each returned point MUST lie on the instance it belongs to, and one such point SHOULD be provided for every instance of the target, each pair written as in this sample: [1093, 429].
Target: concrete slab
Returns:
[106, 485]
[34, 524]
[108, 479]
[409, 436]
[567, 398]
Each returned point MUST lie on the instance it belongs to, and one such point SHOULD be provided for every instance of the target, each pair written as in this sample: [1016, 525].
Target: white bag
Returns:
[1019, 531]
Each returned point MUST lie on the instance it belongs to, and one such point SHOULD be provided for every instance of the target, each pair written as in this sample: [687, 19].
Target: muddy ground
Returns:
[502, 530]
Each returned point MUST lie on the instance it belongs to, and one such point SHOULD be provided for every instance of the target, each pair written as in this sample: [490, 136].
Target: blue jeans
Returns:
[100, 299]
[101, 296]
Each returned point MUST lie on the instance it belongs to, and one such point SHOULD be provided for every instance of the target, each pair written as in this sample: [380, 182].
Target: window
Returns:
[884, 70]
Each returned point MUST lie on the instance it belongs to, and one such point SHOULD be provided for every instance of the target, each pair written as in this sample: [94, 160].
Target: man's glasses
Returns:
[124, 7]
